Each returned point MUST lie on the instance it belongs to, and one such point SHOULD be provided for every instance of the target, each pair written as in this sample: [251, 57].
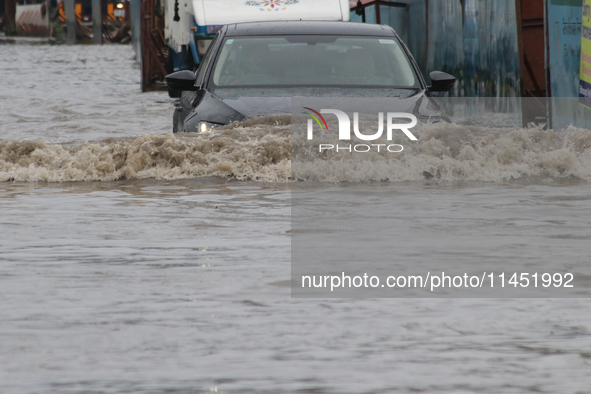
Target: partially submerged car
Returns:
[256, 68]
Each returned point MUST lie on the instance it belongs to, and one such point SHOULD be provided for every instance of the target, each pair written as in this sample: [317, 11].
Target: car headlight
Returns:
[206, 127]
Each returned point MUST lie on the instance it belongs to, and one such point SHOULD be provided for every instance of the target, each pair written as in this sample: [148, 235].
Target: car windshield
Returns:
[313, 61]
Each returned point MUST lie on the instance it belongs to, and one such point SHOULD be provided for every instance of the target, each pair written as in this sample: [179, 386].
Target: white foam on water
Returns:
[449, 152]
[257, 152]
[261, 149]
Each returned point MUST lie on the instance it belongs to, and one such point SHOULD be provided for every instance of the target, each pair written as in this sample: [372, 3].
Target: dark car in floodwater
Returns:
[255, 68]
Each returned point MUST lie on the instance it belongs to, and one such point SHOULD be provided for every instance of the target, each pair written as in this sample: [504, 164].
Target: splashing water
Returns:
[261, 149]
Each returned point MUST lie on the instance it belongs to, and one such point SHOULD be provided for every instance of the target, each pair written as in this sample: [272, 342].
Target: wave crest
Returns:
[263, 149]
[257, 153]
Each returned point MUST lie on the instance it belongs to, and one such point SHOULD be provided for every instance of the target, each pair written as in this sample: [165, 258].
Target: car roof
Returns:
[272, 28]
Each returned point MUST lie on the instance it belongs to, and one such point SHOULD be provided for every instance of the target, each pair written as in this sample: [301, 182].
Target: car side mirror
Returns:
[181, 80]
[441, 82]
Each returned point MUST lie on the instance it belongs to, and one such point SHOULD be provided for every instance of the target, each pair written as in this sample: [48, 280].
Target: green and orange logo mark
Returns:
[316, 118]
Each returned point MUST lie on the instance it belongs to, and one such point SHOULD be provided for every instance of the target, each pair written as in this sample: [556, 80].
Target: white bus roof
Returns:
[223, 12]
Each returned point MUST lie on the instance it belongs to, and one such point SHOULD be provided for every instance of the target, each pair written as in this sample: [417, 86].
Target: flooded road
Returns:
[132, 261]
[76, 94]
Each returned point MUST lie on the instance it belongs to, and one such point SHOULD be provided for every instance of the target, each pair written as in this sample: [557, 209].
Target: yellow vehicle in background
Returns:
[115, 10]
[115, 15]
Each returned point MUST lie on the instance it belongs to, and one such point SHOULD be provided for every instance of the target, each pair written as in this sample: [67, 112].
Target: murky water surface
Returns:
[134, 261]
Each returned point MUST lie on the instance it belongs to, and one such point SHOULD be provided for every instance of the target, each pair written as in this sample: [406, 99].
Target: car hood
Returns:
[252, 106]
[214, 109]
[225, 111]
